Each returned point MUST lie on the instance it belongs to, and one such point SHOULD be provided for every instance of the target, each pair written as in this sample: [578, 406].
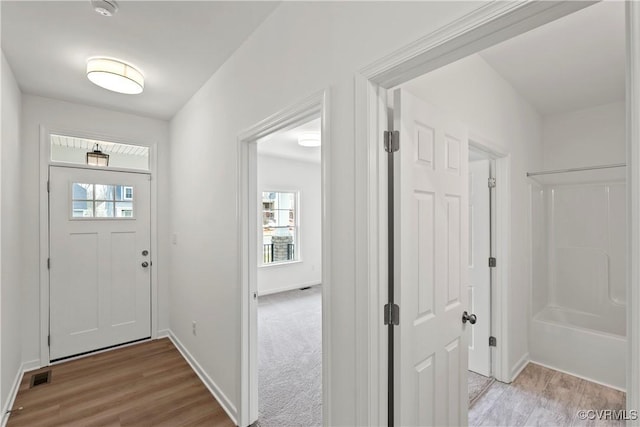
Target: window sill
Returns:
[277, 264]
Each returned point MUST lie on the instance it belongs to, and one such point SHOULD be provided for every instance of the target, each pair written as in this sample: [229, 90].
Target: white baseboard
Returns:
[31, 365]
[164, 333]
[224, 401]
[287, 288]
[579, 376]
[11, 398]
[522, 363]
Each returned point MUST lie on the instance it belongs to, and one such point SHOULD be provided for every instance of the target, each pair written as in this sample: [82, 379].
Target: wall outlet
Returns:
[193, 327]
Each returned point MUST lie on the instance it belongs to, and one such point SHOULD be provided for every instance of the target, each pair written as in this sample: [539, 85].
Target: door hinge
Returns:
[391, 314]
[493, 342]
[492, 183]
[49, 340]
[492, 262]
[391, 141]
[48, 186]
[49, 263]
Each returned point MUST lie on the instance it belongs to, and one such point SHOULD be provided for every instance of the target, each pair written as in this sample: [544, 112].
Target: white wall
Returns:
[477, 95]
[278, 174]
[60, 115]
[11, 212]
[587, 137]
[301, 48]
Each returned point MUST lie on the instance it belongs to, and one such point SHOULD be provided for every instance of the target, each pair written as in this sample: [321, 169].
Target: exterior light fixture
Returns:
[115, 75]
[309, 139]
[97, 157]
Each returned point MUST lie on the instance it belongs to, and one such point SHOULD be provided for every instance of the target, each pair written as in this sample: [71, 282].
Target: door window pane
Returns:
[104, 210]
[124, 192]
[82, 191]
[101, 201]
[124, 209]
[104, 192]
[82, 209]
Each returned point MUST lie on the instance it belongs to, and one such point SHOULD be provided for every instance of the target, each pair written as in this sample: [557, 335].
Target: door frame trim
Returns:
[314, 106]
[501, 274]
[45, 163]
[489, 24]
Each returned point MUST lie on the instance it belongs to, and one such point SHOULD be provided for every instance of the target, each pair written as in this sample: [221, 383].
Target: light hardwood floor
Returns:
[543, 397]
[147, 384]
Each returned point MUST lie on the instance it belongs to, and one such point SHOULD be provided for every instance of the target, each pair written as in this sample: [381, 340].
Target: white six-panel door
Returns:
[100, 271]
[479, 272]
[431, 265]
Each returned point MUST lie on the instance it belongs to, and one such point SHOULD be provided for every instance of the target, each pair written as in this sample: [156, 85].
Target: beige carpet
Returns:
[290, 358]
[478, 384]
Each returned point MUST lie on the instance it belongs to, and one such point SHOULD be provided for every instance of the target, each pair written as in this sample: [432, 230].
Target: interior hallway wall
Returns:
[280, 174]
[474, 93]
[66, 116]
[11, 214]
[301, 48]
[587, 137]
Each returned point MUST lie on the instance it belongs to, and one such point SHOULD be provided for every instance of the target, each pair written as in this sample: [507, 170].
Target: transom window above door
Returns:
[98, 153]
[101, 201]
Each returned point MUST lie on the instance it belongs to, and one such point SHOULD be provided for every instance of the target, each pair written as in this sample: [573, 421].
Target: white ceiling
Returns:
[178, 45]
[285, 144]
[575, 62]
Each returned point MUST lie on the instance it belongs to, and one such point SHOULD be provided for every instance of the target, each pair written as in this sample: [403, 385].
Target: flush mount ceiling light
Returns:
[115, 75]
[97, 157]
[105, 7]
[310, 139]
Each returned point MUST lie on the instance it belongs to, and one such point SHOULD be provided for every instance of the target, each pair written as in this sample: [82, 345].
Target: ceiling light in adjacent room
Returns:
[115, 75]
[309, 139]
[105, 7]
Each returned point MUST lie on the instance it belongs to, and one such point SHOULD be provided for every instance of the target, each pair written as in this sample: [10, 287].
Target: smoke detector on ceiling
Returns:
[105, 7]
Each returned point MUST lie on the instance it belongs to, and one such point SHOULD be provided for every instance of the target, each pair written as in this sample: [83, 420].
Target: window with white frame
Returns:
[101, 201]
[279, 227]
[127, 193]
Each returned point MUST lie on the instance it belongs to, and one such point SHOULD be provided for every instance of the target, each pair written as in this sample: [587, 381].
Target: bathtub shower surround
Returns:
[578, 225]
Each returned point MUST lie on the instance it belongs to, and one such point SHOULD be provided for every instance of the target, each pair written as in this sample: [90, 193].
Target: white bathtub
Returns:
[588, 346]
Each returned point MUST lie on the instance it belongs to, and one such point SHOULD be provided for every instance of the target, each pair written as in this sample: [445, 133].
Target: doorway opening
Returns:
[289, 277]
[284, 238]
[537, 123]
[482, 260]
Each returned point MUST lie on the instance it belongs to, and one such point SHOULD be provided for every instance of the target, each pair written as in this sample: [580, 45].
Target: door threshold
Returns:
[96, 351]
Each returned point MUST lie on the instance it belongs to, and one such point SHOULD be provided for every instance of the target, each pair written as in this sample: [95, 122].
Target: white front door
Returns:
[479, 272]
[431, 265]
[100, 261]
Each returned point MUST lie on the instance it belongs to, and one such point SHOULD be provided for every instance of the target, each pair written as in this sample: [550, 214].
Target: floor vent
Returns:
[41, 378]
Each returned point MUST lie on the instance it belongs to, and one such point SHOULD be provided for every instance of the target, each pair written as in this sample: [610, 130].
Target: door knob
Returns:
[145, 264]
[471, 318]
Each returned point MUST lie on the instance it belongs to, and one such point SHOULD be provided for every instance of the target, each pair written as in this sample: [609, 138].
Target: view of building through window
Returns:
[279, 227]
[101, 201]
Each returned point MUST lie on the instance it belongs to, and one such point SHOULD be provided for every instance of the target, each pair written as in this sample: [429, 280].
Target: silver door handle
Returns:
[471, 318]
[145, 264]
